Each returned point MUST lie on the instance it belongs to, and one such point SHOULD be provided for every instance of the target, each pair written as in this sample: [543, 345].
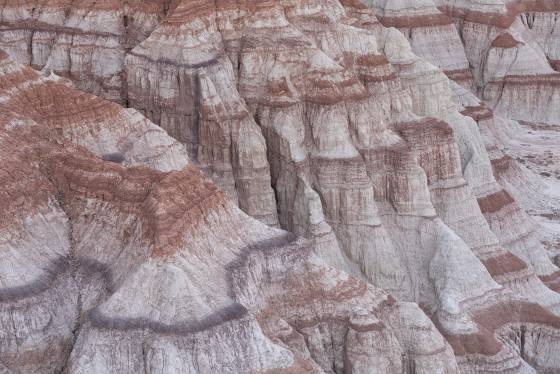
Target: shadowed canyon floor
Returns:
[293, 186]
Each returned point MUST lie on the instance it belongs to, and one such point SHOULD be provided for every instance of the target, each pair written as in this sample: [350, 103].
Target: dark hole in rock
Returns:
[113, 157]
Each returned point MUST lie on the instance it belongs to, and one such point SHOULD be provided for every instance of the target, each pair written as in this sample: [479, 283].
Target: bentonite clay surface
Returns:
[289, 186]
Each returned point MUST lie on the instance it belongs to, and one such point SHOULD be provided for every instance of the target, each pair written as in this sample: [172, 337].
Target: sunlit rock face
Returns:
[407, 148]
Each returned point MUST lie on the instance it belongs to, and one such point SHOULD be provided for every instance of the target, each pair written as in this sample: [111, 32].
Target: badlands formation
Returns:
[280, 186]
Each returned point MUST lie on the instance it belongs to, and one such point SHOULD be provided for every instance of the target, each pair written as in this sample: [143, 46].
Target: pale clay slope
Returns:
[368, 148]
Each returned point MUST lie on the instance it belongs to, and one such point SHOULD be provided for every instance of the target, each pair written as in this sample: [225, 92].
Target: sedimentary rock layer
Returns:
[103, 255]
[83, 40]
[382, 135]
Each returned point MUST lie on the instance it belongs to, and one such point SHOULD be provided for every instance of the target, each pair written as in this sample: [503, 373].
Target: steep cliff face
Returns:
[385, 135]
[120, 261]
[510, 49]
[84, 40]
[511, 63]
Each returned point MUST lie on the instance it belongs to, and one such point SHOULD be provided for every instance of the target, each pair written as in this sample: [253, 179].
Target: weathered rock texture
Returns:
[385, 135]
[115, 261]
[84, 40]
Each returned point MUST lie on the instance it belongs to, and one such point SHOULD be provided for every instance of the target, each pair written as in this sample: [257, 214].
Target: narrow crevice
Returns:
[145, 361]
[74, 269]
[30, 48]
[411, 365]
[523, 331]
[75, 334]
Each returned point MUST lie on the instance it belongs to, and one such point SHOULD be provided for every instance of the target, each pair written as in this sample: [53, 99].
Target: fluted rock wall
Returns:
[84, 40]
[137, 262]
[385, 133]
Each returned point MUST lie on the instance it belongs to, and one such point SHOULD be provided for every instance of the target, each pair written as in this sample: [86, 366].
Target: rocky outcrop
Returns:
[511, 63]
[355, 126]
[508, 47]
[135, 262]
[84, 41]
[431, 33]
[472, 18]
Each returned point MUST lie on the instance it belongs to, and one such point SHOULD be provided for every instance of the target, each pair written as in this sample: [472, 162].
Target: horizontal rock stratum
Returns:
[293, 186]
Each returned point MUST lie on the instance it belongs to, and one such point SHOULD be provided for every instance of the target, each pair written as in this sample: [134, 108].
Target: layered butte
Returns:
[407, 148]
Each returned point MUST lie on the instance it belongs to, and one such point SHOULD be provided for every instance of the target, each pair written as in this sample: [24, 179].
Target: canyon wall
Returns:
[407, 148]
